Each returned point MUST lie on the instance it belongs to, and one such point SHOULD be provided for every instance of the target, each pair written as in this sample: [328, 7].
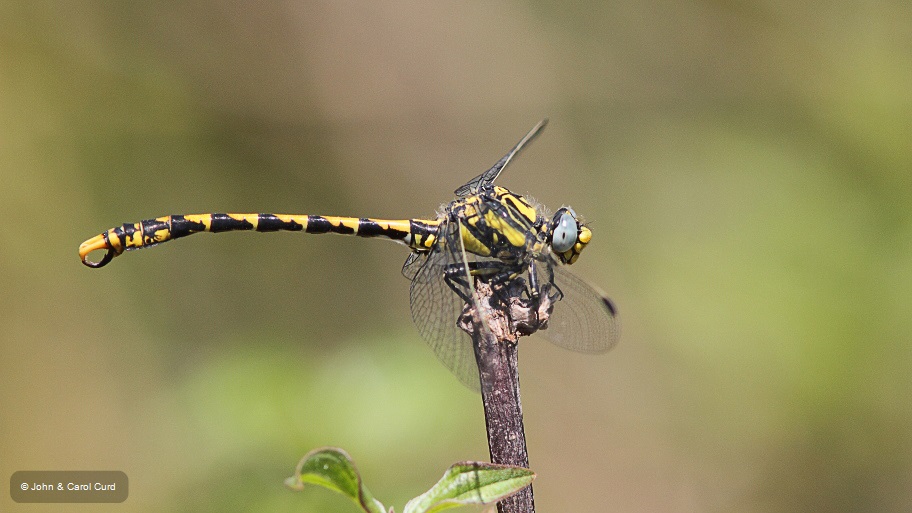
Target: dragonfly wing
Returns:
[488, 177]
[584, 319]
[436, 309]
[413, 264]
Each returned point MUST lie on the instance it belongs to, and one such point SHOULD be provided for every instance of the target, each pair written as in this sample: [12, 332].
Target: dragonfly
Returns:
[486, 233]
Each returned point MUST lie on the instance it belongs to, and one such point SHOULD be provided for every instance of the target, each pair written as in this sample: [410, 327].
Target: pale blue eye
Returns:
[564, 236]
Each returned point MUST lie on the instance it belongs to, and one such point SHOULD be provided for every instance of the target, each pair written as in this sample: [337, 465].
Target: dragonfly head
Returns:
[567, 235]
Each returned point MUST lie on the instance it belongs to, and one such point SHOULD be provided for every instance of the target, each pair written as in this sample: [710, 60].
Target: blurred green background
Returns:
[746, 168]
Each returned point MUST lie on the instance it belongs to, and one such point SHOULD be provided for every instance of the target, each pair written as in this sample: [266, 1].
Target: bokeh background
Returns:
[746, 167]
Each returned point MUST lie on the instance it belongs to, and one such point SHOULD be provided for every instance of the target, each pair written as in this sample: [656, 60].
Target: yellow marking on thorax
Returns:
[517, 202]
[471, 243]
[500, 225]
[469, 209]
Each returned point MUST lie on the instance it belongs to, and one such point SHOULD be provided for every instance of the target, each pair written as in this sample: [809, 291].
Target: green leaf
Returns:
[332, 468]
[471, 482]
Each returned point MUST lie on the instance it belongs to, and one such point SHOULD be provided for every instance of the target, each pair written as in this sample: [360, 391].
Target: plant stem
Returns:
[496, 355]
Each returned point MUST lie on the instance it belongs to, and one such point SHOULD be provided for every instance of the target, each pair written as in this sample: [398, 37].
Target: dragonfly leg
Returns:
[534, 287]
[492, 272]
[549, 282]
[455, 276]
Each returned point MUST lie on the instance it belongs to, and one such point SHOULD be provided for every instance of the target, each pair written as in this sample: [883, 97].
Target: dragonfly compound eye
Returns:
[564, 232]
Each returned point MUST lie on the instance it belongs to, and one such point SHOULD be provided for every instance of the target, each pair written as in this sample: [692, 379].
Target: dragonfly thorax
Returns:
[499, 224]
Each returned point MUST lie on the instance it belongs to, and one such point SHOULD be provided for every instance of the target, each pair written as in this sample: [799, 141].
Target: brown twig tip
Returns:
[496, 318]
[506, 312]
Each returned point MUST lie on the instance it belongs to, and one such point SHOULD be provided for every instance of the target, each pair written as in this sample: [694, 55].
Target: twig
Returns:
[495, 326]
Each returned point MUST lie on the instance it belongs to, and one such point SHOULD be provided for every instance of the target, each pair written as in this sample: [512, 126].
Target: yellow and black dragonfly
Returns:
[486, 233]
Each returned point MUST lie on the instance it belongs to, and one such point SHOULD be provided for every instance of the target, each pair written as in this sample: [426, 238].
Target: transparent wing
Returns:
[436, 308]
[488, 177]
[413, 264]
[584, 320]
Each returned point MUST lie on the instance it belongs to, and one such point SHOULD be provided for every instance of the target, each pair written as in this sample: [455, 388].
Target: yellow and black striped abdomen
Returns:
[415, 233]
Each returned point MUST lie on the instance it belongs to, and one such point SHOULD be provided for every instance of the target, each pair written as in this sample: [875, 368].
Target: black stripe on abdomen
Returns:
[318, 224]
[370, 228]
[271, 223]
[181, 227]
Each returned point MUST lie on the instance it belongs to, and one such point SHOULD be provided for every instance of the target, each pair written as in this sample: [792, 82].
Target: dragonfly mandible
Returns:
[487, 233]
